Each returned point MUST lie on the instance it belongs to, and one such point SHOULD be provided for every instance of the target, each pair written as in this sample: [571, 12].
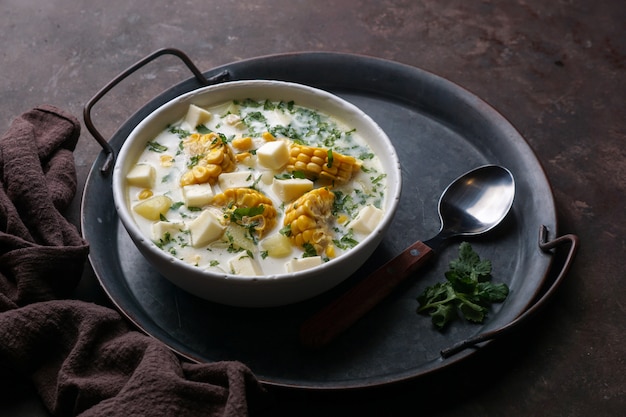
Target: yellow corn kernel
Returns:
[268, 137]
[342, 218]
[145, 193]
[187, 179]
[166, 161]
[200, 174]
[235, 198]
[240, 157]
[215, 156]
[315, 163]
[308, 218]
[208, 138]
[242, 144]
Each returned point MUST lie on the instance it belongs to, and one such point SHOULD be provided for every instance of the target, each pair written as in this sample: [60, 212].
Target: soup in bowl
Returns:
[257, 193]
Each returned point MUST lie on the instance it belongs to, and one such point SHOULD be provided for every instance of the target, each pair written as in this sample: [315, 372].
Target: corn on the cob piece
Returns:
[237, 200]
[213, 157]
[320, 163]
[308, 218]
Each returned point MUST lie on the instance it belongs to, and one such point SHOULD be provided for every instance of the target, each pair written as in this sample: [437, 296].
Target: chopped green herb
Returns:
[347, 241]
[239, 213]
[378, 178]
[181, 133]
[309, 250]
[467, 290]
[177, 205]
[166, 239]
[286, 231]
[193, 161]
[202, 129]
[156, 147]
[330, 158]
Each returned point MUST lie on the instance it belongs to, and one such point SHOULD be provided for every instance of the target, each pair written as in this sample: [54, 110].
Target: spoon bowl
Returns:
[473, 204]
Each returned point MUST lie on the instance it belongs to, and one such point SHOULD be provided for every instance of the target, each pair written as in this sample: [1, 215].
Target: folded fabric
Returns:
[83, 359]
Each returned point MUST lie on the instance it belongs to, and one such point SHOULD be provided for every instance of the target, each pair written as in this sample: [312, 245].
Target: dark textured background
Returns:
[555, 69]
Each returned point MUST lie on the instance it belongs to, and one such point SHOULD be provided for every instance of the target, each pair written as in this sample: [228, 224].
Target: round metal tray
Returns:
[440, 130]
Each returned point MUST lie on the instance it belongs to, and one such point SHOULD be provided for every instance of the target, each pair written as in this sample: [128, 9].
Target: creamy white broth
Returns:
[234, 120]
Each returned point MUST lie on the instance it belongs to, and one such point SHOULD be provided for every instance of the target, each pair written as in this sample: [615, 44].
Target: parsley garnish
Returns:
[330, 158]
[467, 290]
[194, 160]
[347, 241]
[239, 213]
[285, 231]
[202, 129]
[156, 147]
[181, 133]
[309, 250]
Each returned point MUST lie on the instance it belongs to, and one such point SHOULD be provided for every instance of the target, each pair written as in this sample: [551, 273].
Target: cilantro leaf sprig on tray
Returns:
[467, 291]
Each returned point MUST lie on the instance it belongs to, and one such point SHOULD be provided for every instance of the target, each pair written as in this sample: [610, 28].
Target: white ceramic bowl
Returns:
[263, 291]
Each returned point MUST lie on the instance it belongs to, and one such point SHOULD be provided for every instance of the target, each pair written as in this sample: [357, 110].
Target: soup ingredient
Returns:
[467, 290]
[273, 155]
[209, 156]
[302, 264]
[142, 175]
[291, 188]
[276, 246]
[205, 228]
[320, 163]
[153, 208]
[247, 186]
[367, 219]
[307, 222]
[249, 208]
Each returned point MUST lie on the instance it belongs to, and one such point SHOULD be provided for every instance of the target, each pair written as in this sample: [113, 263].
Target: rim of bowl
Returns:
[393, 171]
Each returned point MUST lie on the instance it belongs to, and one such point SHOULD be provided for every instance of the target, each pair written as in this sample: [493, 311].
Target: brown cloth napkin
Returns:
[82, 358]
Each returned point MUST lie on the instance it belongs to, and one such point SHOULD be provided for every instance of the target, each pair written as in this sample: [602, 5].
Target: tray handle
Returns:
[545, 246]
[108, 150]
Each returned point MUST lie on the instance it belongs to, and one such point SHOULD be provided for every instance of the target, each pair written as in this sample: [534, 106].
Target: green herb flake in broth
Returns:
[156, 147]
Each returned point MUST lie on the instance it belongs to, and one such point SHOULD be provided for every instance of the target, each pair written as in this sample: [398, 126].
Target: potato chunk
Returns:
[277, 246]
[153, 208]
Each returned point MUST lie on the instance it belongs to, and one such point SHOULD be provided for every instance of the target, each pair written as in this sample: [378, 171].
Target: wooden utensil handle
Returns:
[334, 319]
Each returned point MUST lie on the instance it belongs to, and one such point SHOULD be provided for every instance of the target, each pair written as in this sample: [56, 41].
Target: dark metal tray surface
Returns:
[440, 130]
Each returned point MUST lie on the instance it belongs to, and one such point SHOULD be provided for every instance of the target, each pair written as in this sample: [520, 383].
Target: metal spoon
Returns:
[473, 204]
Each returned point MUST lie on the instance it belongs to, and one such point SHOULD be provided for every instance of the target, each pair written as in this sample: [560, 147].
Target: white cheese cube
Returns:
[301, 264]
[367, 219]
[196, 116]
[243, 264]
[197, 195]
[205, 229]
[290, 189]
[142, 175]
[239, 179]
[273, 155]
[160, 229]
